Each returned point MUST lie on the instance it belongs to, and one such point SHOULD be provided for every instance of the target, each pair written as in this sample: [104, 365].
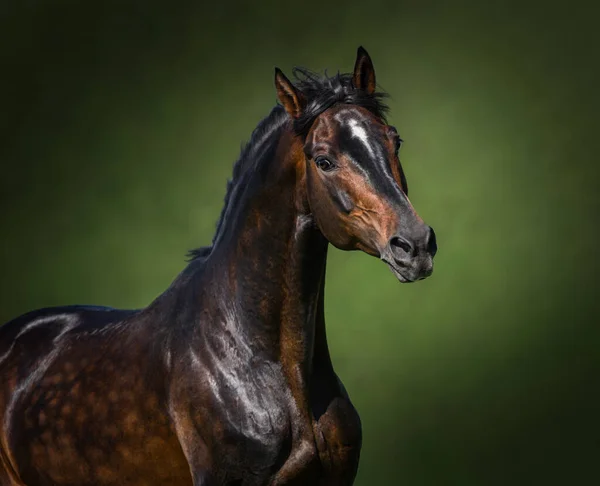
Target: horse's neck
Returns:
[270, 258]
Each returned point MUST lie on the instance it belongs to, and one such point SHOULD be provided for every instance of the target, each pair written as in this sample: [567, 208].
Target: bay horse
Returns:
[226, 377]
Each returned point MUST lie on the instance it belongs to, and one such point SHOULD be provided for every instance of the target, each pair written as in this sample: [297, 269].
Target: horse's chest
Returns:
[249, 418]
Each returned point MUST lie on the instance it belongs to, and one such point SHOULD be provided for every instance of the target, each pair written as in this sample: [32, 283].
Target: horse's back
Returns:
[79, 399]
[31, 337]
[32, 342]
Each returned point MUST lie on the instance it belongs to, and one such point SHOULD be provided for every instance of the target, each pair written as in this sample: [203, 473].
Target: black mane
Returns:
[320, 94]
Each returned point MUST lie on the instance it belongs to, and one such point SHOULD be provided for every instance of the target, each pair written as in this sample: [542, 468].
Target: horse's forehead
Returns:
[353, 121]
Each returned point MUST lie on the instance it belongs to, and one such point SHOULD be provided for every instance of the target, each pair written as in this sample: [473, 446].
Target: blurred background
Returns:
[120, 123]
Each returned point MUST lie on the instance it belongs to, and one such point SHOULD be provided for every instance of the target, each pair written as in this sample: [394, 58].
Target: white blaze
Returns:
[359, 132]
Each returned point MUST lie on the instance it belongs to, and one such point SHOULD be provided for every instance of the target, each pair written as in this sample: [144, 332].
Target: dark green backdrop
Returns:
[120, 122]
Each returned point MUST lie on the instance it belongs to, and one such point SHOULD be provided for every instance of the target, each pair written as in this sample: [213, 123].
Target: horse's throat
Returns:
[278, 273]
[303, 278]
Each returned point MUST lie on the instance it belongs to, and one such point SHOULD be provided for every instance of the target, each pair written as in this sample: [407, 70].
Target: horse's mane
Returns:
[248, 158]
[320, 93]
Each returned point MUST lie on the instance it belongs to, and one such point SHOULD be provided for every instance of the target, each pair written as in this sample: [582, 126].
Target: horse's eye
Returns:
[398, 143]
[324, 164]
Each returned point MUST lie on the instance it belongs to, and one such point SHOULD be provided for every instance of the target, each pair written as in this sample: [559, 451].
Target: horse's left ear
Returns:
[290, 97]
[364, 73]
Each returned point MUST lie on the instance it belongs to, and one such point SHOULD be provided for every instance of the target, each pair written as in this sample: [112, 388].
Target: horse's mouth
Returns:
[396, 271]
[403, 275]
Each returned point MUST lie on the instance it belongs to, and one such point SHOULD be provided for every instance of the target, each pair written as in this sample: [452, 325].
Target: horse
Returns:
[226, 377]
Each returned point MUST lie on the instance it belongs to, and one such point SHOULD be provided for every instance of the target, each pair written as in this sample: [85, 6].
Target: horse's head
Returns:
[355, 185]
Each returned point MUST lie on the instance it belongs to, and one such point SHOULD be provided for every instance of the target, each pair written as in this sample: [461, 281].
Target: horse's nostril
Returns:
[399, 243]
[431, 242]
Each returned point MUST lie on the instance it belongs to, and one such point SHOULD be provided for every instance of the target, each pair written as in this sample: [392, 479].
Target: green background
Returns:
[120, 123]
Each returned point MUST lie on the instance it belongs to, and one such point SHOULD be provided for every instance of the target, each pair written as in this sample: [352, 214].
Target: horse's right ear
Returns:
[291, 99]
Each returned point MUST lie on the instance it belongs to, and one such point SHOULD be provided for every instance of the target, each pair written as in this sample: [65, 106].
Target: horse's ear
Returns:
[291, 99]
[364, 73]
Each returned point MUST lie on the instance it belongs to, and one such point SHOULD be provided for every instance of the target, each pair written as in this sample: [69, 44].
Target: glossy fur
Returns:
[225, 379]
